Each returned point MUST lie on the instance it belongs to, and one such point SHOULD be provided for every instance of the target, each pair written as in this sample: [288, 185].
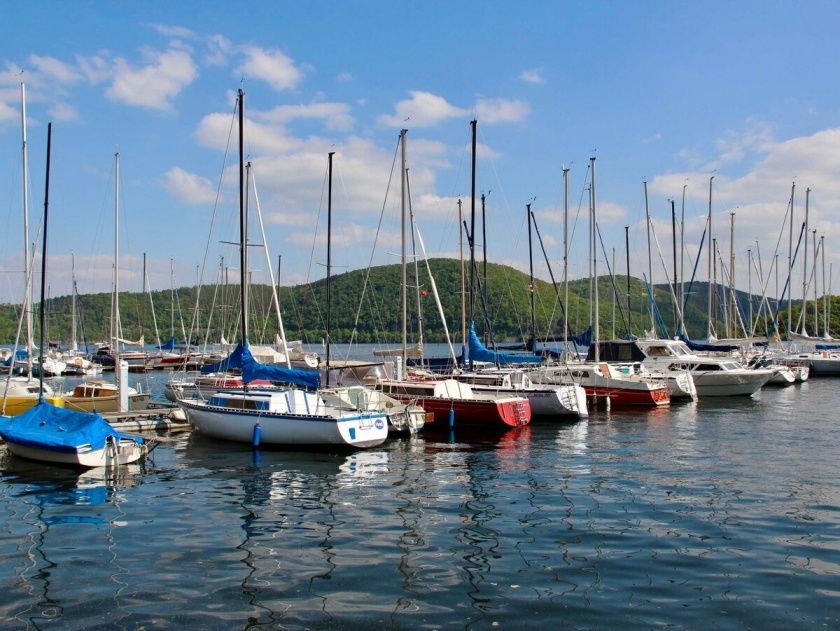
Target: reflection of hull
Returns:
[350, 430]
[115, 452]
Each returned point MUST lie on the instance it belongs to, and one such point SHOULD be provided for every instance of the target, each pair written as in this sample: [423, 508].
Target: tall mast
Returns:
[484, 263]
[790, 262]
[473, 125]
[682, 254]
[172, 295]
[627, 256]
[732, 325]
[463, 282]
[27, 277]
[565, 261]
[403, 268]
[44, 267]
[674, 239]
[749, 332]
[243, 225]
[805, 263]
[825, 294]
[117, 329]
[816, 319]
[73, 345]
[596, 330]
[650, 262]
[711, 264]
[533, 340]
[329, 261]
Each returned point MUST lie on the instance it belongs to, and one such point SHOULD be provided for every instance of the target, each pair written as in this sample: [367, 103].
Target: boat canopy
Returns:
[480, 353]
[46, 426]
[616, 351]
[242, 359]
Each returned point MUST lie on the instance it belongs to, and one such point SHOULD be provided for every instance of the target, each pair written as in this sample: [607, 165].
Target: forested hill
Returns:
[304, 308]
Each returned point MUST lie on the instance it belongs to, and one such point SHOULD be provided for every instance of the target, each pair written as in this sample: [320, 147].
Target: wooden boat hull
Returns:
[352, 430]
[473, 412]
[110, 403]
[628, 397]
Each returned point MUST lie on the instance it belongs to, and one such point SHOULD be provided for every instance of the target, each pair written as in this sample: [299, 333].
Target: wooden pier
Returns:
[153, 419]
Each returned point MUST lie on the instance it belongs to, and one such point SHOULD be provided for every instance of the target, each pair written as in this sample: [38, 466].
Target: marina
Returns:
[723, 511]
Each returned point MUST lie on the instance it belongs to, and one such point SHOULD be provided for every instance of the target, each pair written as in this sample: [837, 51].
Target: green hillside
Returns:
[304, 308]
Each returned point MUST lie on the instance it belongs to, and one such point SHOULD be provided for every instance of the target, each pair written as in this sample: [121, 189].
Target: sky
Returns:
[668, 93]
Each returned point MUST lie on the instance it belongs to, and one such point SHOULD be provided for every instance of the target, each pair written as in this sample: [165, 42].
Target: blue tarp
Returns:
[49, 427]
[700, 346]
[584, 338]
[480, 353]
[20, 355]
[242, 359]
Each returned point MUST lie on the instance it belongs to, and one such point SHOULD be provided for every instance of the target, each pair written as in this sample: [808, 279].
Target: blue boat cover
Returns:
[46, 426]
[480, 353]
[169, 345]
[582, 339]
[242, 359]
[700, 346]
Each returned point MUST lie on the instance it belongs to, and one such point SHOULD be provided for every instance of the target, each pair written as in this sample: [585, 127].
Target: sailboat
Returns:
[56, 435]
[280, 415]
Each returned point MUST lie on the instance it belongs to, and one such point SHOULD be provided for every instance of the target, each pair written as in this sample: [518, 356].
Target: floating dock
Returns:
[153, 419]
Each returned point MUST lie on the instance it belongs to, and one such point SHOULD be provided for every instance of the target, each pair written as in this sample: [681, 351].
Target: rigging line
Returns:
[194, 322]
[373, 249]
[624, 320]
[667, 278]
[308, 282]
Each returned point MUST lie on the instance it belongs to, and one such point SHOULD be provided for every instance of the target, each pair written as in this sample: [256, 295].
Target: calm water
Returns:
[723, 515]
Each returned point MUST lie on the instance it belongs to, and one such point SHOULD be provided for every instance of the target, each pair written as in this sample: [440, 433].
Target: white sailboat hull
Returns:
[350, 430]
[111, 455]
[729, 384]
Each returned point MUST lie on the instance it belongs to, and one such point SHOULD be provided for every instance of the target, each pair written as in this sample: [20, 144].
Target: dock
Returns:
[154, 419]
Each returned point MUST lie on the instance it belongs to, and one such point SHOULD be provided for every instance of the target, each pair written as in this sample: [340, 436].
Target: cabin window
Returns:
[657, 351]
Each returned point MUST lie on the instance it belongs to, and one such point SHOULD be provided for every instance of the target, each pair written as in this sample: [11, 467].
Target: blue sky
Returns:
[670, 92]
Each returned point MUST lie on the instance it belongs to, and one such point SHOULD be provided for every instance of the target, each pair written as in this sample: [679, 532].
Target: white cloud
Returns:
[155, 84]
[272, 66]
[54, 69]
[96, 68]
[345, 235]
[219, 50]
[609, 212]
[173, 31]
[532, 76]
[490, 111]
[423, 109]
[7, 112]
[189, 187]
[344, 77]
[298, 219]
[63, 112]
[335, 115]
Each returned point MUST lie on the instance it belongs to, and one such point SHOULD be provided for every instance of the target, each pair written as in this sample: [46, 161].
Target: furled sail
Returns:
[480, 353]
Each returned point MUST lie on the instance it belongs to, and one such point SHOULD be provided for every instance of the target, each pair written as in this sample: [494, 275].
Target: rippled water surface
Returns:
[720, 515]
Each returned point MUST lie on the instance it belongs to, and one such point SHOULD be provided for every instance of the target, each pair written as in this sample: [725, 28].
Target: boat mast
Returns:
[243, 226]
[329, 260]
[115, 350]
[627, 256]
[403, 268]
[533, 340]
[816, 319]
[825, 294]
[73, 345]
[596, 335]
[565, 261]
[44, 267]
[463, 284]
[805, 263]
[650, 262]
[790, 261]
[484, 263]
[731, 322]
[27, 277]
[749, 291]
[682, 258]
[711, 265]
[674, 239]
[473, 125]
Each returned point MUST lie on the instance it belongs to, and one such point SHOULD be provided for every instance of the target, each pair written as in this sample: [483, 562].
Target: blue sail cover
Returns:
[242, 359]
[700, 346]
[46, 426]
[480, 353]
[169, 345]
